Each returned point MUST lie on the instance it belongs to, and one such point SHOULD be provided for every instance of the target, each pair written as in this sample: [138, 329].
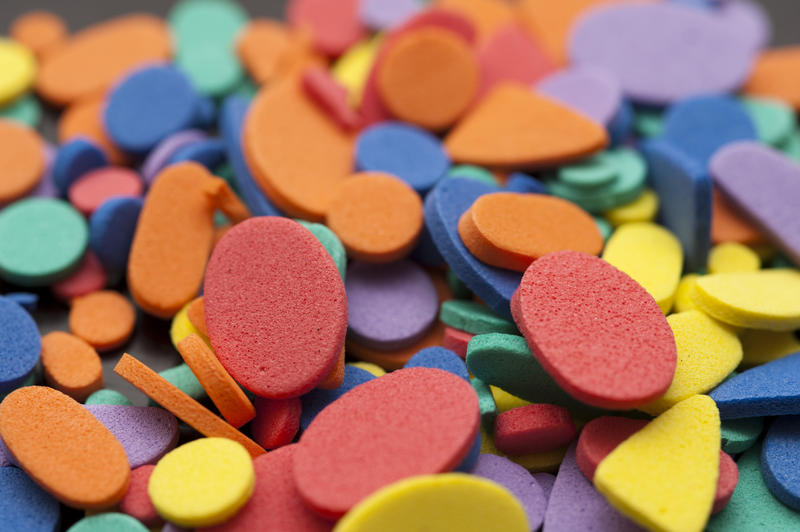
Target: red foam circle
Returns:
[89, 277]
[136, 501]
[95, 187]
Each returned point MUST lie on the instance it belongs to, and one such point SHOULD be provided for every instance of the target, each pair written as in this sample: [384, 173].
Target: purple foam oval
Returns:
[575, 505]
[749, 20]
[390, 306]
[518, 481]
[387, 14]
[146, 432]
[662, 52]
[159, 156]
[591, 91]
[546, 481]
[765, 185]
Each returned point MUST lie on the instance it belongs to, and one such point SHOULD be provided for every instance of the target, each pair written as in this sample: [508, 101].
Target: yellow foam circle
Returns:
[642, 209]
[761, 347]
[766, 299]
[708, 351]
[202, 483]
[664, 477]
[534, 462]
[506, 401]
[683, 295]
[732, 257]
[353, 68]
[18, 67]
[370, 367]
[651, 255]
[453, 501]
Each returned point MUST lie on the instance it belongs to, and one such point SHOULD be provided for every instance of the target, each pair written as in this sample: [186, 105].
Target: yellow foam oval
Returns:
[766, 299]
[353, 67]
[202, 483]
[683, 295]
[708, 351]
[642, 209]
[370, 367]
[453, 501]
[18, 65]
[533, 462]
[664, 477]
[506, 401]
[760, 347]
[651, 255]
[181, 327]
[732, 257]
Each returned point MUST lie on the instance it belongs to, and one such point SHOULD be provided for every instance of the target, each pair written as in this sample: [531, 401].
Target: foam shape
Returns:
[108, 521]
[26, 506]
[226, 202]
[386, 407]
[633, 248]
[763, 200]
[760, 347]
[74, 159]
[726, 484]
[19, 65]
[377, 216]
[316, 400]
[486, 403]
[752, 505]
[336, 376]
[20, 345]
[202, 483]
[25, 110]
[89, 277]
[390, 306]
[739, 435]
[231, 119]
[601, 436]
[26, 300]
[625, 341]
[778, 453]
[523, 183]
[395, 359]
[681, 451]
[534, 462]
[93, 188]
[766, 299]
[22, 156]
[104, 319]
[261, 46]
[431, 93]
[591, 91]
[319, 85]
[107, 396]
[176, 222]
[208, 152]
[684, 190]
[181, 377]
[518, 481]
[353, 67]
[774, 120]
[535, 428]
[441, 358]
[226, 394]
[473, 318]
[574, 504]
[505, 401]
[509, 54]
[628, 39]
[196, 313]
[461, 501]
[48, 434]
[71, 365]
[369, 367]
[642, 209]
[509, 127]
[161, 154]
[403, 150]
[444, 205]
[179, 403]
[40, 31]
[732, 257]
[136, 501]
[477, 173]
[111, 230]
[683, 300]
[456, 341]
[277, 421]
[84, 119]
[511, 230]
[771, 75]
[299, 183]
[749, 19]
[488, 17]
[334, 28]
[620, 130]
[149, 105]
[383, 14]
[701, 125]
[331, 243]
[546, 482]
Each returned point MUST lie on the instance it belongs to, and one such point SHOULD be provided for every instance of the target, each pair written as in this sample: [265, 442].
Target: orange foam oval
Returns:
[70, 365]
[21, 160]
[103, 319]
[41, 31]
[774, 75]
[728, 225]
[197, 315]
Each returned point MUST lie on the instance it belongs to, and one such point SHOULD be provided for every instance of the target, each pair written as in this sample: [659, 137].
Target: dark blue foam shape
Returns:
[73, 159]
[772, 389]
[780, 456]
[426, 252]
[231, 121]
[444, 205]
[701, 125]
[471, 460]
[406, 151]
[208, 152]
[621, 126]
[519, 182]
[684, 191]
[206, 113]
[149, 105]
[111, 229]
[24, 505]
[317, 399]
[20, 345]
[440, 358]
[26, 300]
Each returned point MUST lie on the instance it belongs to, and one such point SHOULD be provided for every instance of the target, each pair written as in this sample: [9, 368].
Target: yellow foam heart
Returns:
[651, 255]
[766, 299]
[353, 67]
[664, 477]
[683, 299]
[642, 209]
[732, 257]
[760, 347]
[453, 501]
[708, 351]
[202, 483]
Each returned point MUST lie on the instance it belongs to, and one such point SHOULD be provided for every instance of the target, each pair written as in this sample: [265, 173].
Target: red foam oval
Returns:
[95, 187]
[413, 421]
[335, 26]
[536, 428]
[277, 421]
[275, 307]
[600, 335]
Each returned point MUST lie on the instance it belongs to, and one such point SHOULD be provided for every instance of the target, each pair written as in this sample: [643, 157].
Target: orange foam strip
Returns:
[173, 240]
[296, 152]
[197, 315]
[92, 60]
[728, 225]
[228, 397]
[486, 15]
[104, 319]
[775, 75]
[179, 403]
[85, 119]
[41, 31]
[428, 77]
[64, 448]
[70, 365]
[336, 378]
[21, 160]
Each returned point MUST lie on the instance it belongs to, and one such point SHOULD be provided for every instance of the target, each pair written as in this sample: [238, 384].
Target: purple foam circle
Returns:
[159, 156]
[518, 481]
[387, 14]
[589, 90]
[749, 20]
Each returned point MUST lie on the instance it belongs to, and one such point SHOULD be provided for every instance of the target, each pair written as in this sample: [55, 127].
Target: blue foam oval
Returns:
[440, 358]
[73, 159]
[519, 182]
[780, 455]
[24, 505]
[111, 230]
[208, 152]
[20, 345]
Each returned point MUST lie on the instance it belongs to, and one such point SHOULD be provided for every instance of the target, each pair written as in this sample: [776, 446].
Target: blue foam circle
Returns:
[111, 230]
[440, 358]
[20, 345]
[208, 152]
[24, 505]
[317, 399]
[73, 159]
